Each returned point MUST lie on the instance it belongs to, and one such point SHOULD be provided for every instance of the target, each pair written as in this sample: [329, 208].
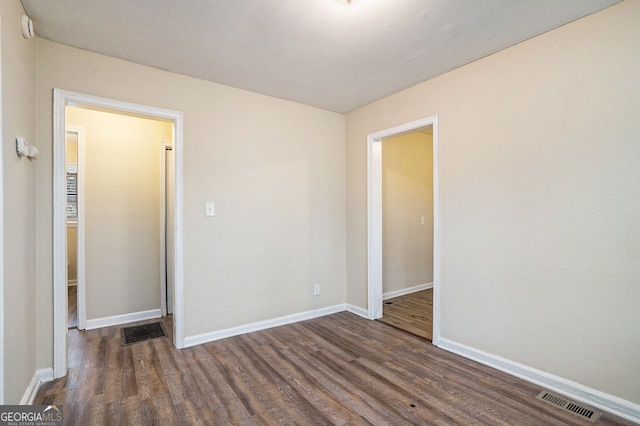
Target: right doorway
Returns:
[408, 231]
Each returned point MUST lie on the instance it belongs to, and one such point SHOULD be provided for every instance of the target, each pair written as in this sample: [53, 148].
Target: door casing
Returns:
[374, 218]
[62, 99]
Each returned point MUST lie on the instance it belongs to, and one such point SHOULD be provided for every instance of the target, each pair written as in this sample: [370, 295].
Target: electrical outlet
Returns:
[316, 290]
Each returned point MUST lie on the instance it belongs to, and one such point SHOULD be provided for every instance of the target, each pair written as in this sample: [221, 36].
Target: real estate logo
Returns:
[30, 415]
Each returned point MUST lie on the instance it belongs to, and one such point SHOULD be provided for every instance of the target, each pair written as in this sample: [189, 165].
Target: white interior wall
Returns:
[407, 196]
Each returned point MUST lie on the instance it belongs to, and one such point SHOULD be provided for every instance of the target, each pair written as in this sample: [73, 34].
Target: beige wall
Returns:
[71, 148]
[72, 253]
[18, 119]
[407, 195]
[274, 168]
[540, 199]
[122, 211]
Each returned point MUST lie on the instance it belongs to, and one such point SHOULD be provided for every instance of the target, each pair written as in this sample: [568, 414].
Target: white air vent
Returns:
[572, 407]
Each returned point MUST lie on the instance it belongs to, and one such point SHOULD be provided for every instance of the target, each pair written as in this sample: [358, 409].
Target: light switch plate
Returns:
[209, 209]
[22, 147]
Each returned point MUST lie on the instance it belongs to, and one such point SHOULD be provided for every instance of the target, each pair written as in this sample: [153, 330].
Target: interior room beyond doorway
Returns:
[407, 231]
[113, 217]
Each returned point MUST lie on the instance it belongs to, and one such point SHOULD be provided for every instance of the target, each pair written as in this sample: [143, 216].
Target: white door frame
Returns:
[61, 99]
[374, 206]
[80, 259]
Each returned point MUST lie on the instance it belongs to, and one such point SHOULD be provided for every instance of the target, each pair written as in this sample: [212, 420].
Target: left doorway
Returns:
[62, 99]
[122, 215]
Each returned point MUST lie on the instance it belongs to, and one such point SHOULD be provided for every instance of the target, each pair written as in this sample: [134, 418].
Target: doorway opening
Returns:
[167, 215]
[74, 184]
[407, 232]
[62, 100]
[375, 220]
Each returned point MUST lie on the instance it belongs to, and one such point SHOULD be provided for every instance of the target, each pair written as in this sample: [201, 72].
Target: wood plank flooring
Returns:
[339, 369]
[412, 313]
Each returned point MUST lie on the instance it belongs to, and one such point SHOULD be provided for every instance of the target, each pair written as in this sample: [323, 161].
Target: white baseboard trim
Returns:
[612, 404]
[408, 290]
[71, 283]
[122, 319]
[31, 391]
[39, 377]
[357, 310]
[261, 325]
[45, 374]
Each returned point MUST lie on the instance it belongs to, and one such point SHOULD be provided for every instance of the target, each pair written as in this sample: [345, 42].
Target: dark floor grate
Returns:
[140, 333]
[572, 407]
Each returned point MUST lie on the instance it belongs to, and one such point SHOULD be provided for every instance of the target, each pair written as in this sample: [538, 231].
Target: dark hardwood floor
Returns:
[72, 306]
[412, 313]
[339, 369]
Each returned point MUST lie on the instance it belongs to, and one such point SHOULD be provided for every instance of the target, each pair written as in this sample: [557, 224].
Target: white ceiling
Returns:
[324, 53]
